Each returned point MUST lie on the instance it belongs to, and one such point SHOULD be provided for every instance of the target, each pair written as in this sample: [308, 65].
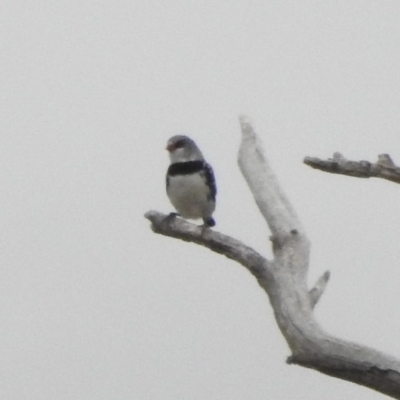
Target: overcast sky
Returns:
[93, 305]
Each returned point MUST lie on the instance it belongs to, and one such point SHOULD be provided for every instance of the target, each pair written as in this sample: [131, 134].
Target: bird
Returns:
[190, 181]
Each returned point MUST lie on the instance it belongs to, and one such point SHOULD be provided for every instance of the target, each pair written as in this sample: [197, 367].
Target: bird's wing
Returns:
[210, 180]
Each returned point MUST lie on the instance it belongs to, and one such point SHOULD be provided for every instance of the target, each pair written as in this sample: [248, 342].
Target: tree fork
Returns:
[284, 278]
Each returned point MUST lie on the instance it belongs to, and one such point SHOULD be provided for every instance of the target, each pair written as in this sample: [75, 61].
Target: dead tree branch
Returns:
[223, 244]
[384, 168]
[285, 278]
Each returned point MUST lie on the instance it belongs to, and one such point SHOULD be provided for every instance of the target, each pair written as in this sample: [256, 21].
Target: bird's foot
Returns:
[169, 218]
[209, 222]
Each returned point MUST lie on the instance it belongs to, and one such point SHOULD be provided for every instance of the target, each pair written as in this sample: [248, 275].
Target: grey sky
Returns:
[93, 305]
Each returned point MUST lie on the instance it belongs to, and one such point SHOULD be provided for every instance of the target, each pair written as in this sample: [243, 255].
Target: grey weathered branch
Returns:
[317, 291]
[285, 278]
[223, 244]
[384, 168]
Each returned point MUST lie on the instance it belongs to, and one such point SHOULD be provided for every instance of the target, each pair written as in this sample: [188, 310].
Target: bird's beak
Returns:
[170, 146]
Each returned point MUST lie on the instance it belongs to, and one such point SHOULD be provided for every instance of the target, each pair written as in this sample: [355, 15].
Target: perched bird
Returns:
[190, 181]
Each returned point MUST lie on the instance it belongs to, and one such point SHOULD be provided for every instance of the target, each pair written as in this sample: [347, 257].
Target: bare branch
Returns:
[384, 168]
[290, 243]
[311, 347]
[215, 241]
[264, 185]
[319, 288]
[285, 278]
[381, 379]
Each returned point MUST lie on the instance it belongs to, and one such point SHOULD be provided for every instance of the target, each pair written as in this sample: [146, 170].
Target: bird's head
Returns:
[181, 148]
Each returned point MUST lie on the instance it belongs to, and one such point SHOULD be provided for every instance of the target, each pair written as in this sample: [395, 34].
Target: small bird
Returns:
[190, 181]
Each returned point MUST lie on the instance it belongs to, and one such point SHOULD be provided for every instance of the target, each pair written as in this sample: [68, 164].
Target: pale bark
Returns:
[384, 168]
[285, 278]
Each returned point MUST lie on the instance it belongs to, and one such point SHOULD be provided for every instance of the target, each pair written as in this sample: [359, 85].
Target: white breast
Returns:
[190, 196]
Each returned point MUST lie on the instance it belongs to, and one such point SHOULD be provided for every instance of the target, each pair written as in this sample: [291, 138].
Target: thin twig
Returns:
[384, 168]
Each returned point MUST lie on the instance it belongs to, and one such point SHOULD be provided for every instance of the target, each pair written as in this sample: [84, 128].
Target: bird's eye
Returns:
[180, 143]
